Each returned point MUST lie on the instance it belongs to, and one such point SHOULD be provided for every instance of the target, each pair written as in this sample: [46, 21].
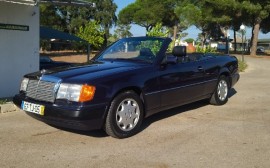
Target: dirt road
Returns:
[197, 135]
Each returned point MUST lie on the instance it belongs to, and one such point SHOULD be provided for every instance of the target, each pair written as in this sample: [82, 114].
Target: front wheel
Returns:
[220, 95]
[125, 115]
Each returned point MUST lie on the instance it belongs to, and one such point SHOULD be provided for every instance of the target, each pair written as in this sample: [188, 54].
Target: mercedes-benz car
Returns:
[130, 80]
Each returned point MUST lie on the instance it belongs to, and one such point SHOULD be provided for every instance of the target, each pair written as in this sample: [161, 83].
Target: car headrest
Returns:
[179, 51]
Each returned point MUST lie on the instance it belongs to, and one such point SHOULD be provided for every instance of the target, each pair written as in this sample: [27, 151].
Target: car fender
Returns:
[224, 71]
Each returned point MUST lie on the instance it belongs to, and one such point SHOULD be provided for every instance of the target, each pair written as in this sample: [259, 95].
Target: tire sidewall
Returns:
[218, 101]
[215, 98]
[111, 122]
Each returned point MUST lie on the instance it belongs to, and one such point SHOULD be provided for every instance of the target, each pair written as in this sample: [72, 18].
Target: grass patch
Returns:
[242, 65]
[3, 101]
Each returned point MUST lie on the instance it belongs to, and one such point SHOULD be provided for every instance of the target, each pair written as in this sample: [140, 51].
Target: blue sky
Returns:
[192, 31]
[135, 29]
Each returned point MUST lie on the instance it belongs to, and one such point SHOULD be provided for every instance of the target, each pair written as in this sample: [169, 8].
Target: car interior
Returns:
[180, 55]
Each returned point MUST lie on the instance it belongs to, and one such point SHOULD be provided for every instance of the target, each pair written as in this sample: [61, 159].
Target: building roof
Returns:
[264, 41]
[68, 2]
[54, 2]
[23, 2]
[49, 33]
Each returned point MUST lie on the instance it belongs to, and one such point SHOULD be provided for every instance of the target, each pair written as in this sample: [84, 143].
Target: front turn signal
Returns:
[87, 93]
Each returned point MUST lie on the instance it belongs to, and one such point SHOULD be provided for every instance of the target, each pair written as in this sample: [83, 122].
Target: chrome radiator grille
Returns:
[41, 90]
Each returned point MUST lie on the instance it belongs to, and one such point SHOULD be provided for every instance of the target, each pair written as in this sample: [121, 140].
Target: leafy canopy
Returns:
[147, 13]
[158, 31]
[70, 18]
[92, 33]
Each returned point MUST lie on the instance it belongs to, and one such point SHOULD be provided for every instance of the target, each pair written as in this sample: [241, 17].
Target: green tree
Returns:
[112, 38]
[213, 18]
[71, 18]
[147, 13]
[265, 25]
[50, 18]
[190, 40]
[227, 14]
[75, 17]
[92, 33]
[104, 13]
[65, 18]
[258, 12]
[158, 31]
[193, 12]
[123, 31]
[232, 13]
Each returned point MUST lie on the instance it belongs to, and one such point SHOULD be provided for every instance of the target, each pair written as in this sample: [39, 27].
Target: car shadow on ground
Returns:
[181, 109]
[152, 119]
[171, 112]
[95, 133]
[232, 92]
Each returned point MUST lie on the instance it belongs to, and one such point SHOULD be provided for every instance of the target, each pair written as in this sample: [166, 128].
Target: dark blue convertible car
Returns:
[130, 80]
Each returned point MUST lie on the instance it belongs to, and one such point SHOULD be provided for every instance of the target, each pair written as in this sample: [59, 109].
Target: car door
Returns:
[181, 83]
[211, 69]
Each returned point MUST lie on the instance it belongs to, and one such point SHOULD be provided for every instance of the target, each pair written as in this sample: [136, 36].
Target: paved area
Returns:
[236, 135]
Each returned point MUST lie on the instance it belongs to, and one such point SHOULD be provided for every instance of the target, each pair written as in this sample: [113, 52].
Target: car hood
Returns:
[84, 72]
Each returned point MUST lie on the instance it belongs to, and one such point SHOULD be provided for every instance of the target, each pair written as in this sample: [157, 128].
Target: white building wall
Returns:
[19, 50]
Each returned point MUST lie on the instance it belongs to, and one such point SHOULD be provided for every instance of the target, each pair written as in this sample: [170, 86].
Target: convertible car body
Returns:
[130, 80]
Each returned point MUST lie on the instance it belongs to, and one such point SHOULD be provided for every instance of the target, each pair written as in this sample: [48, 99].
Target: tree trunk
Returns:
[203, 40]
[174, 34]
[255, 33]
[251, 40]
[147, 30]
[106, 36]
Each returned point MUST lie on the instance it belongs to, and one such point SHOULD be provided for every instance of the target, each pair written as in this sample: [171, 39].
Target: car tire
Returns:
[125, 115]
[220, 95]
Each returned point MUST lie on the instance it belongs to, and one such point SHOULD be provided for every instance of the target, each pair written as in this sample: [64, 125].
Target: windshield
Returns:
[145, 49]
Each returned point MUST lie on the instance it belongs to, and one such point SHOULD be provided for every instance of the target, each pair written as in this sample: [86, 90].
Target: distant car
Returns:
[221, 47]
[47, 63]
[127, 82]
[260, 49]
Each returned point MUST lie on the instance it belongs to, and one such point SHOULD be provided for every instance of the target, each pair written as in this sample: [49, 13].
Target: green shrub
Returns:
[3, 101]
[242, 65]
[207, 49]
[189, 40]
[153, 45]
[158, 31]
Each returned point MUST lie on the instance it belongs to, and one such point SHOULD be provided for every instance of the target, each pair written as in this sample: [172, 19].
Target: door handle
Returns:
[200, 68]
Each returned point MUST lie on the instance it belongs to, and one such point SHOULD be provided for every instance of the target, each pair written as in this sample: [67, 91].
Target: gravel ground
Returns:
[196, 135]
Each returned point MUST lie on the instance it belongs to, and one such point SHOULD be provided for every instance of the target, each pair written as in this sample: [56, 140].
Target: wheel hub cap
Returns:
[127, 114]
[222, 90]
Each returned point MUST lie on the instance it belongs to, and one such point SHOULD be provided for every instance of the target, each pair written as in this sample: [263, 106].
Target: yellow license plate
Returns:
[33, 108]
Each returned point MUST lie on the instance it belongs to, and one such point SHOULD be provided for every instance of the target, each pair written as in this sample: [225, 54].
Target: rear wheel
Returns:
[220, 96]
[125, 115]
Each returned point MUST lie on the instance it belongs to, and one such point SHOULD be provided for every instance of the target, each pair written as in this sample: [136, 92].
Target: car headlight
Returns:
[75, 92]
[24, 84]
